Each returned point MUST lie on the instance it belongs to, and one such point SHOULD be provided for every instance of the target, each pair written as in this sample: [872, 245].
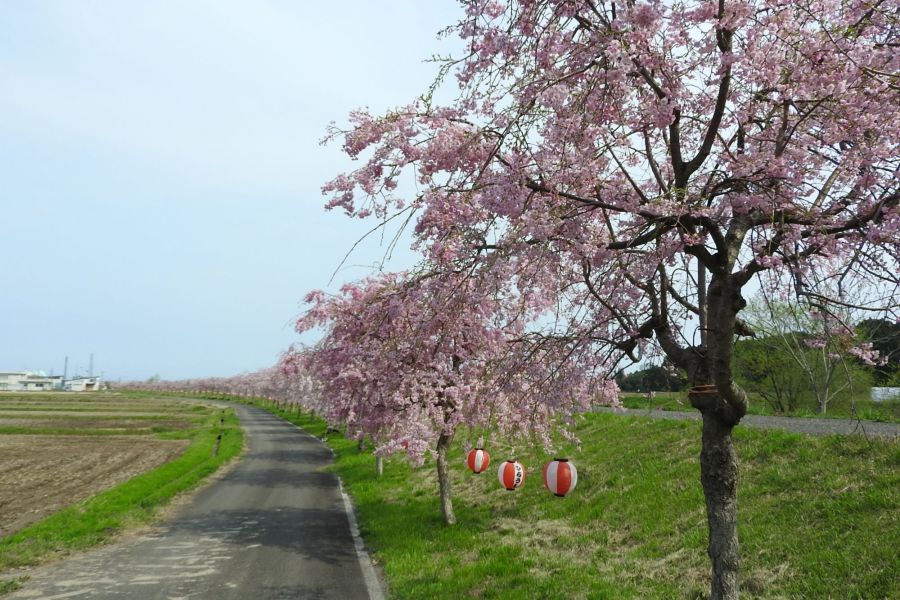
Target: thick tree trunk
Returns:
[443, 469]
[719, 477]
[379, 465]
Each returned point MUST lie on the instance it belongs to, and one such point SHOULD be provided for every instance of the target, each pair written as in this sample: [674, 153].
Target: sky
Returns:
[160, 172]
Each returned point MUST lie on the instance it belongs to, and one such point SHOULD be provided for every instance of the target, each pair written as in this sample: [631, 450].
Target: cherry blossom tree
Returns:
[294, 385]
[407, 359]
[639, 164]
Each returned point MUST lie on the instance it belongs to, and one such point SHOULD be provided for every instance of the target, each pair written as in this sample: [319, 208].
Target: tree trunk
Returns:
[379, 465]
[719, 477]
[443, 469]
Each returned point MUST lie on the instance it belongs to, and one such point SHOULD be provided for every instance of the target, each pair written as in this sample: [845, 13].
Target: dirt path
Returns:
[795, 424]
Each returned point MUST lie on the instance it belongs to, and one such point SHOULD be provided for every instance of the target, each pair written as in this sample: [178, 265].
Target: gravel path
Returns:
[795, 424]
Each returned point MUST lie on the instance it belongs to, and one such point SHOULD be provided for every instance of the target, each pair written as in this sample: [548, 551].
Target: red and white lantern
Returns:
[560, 476]
[478, 460]
[511, 474]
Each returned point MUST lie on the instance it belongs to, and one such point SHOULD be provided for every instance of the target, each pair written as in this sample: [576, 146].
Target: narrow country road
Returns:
[276, 526]
[805, 425]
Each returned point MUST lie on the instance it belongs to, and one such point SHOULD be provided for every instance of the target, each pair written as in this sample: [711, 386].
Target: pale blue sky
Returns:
[160, 171]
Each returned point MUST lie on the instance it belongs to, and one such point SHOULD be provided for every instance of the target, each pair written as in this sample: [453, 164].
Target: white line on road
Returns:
[365, 563]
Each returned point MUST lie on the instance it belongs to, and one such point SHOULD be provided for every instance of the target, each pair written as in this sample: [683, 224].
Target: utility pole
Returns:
[701, 300]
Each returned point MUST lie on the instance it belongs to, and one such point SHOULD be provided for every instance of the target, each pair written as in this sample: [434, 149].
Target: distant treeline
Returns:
[764, 365]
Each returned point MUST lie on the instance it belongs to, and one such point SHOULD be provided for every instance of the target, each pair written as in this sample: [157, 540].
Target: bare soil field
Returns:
[41, 474]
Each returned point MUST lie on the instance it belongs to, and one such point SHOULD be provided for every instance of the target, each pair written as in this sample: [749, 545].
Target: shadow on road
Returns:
[315, 456]
[270, 478]
[317, 535]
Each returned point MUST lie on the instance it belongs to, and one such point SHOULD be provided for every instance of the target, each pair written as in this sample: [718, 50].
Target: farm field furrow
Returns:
[41, 474]
[92, 423]
[81, 414]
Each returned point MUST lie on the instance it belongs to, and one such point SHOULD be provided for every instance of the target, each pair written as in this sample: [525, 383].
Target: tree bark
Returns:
[379, 465]
[443, 469]
[719, 477]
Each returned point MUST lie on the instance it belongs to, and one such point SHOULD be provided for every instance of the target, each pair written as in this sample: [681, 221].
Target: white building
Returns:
[29, 381]
[9, 380]
[82, 384]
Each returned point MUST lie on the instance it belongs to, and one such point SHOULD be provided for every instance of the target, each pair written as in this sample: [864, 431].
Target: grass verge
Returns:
[132, 503]
[819, 518]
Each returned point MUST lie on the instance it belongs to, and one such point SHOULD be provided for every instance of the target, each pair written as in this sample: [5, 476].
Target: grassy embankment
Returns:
[887, 411]
[134, 502]
[819, 518]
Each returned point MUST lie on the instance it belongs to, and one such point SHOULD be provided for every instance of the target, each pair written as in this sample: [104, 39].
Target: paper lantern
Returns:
[560, 476]
[511, 474]
[478, 460]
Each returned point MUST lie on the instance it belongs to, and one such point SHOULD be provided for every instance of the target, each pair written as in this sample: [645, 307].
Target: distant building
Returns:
[9, 380]
[37, 383]
[29, 381]
[82, 384]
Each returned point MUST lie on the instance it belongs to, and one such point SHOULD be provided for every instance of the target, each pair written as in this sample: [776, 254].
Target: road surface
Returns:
[276, 526]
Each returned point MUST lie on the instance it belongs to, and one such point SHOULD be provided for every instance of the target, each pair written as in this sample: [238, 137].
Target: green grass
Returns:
[132, 503]
[8, 586]
[819, 518]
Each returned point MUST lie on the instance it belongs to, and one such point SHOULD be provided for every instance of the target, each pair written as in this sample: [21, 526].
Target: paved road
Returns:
[274, 527]
[796, 424]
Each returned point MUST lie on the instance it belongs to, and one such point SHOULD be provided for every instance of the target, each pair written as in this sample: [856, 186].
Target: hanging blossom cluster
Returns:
[407, 358]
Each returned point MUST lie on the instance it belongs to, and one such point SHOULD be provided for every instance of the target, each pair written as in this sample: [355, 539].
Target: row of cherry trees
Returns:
[609, 179]
[284, 384]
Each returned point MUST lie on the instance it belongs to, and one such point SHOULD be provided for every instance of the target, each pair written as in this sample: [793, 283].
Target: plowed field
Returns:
[60, 449]
[41, 474]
